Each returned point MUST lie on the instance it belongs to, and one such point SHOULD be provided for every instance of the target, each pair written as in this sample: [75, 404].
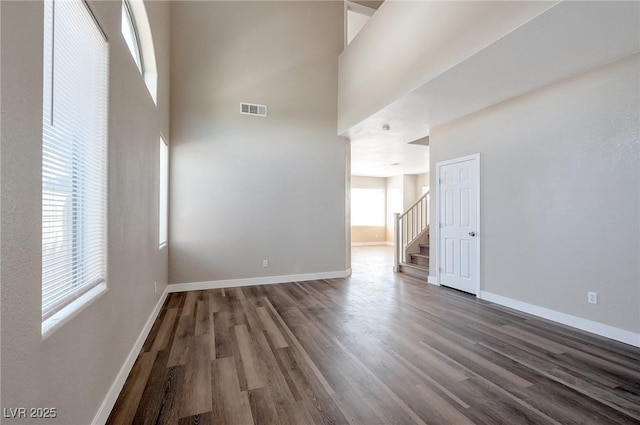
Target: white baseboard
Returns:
[379, 243]
[388, 243]
[433, 280]
[597, 328]
[252, 281]
[110, 400]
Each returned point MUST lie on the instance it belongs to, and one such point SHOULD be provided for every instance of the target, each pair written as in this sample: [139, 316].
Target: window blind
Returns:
[74, 154]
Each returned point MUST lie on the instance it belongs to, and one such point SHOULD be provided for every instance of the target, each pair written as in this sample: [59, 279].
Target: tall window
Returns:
[367, 207]
[164, 192]
[74, 160]
[130, 34]
[136, 32]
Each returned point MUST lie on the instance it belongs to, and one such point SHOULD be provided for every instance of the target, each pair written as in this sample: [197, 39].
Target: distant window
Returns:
[130, 34]
[164, 193]
[367, 207]
[74, 161]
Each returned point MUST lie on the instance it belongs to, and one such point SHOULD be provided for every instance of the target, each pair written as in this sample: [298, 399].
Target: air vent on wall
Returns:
[253, 109]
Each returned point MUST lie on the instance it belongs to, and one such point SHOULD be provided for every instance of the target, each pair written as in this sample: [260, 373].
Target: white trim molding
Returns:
[380, 243]
[433, 280]
[110, 400]
[597, 328]
[252, 281]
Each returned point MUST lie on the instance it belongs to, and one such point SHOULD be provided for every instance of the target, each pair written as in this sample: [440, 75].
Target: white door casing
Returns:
[458, 208]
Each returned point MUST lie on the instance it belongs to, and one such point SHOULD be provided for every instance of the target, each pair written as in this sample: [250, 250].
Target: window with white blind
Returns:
[74, 161]
[164, 193]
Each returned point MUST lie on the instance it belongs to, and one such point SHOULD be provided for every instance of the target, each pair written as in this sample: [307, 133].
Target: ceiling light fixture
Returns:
[386, 127]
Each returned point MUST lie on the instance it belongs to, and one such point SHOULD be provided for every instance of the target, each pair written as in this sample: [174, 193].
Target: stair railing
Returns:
[408, 226]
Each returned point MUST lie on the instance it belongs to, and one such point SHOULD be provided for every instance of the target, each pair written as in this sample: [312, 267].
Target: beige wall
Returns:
[247, 188]
[560, 188]
[368, 234]
[368, 182]
[408, 191]
[73, 369]
[421, 180]
[394, 184]
[408, 43]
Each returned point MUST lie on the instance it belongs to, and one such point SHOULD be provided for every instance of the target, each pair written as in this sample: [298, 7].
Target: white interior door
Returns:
[458, 229]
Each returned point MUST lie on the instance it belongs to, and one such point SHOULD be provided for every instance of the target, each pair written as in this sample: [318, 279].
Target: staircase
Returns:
[411, 249]
[418, 265]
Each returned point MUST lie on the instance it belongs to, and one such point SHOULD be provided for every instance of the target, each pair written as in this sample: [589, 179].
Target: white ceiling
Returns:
[566, 40]
[386, 154]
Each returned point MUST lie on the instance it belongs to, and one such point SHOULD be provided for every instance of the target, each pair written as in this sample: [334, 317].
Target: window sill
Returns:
[56, 321]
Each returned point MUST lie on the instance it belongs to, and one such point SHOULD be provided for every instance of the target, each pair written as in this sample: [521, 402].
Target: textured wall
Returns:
[73, 369]
[248, 188]
[560, 188]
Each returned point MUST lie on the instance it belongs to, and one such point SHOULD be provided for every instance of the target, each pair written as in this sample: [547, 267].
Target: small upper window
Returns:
[136, 32]
[164, 193]
[130, 34]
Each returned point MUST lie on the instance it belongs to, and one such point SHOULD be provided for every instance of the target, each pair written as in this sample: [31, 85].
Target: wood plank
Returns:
[301, 350]
[127, 404]
[152, 397]
[230, 404]
[196, 391]
[263, 409]
[202, 317]
[221, 335]
[254, 368]
[447, 412]
[355, 409]
[165, 332]
[181, 341]
[212, 336]
[216, 301]
[199, 419]
[171, 396]
[189, 307]
[274, 333]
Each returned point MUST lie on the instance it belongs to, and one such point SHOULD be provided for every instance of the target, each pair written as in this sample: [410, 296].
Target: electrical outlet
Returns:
[155, 287]
[592, 297]
[265, 263]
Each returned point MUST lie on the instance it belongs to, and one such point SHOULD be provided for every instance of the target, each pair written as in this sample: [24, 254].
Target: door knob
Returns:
[472, 234]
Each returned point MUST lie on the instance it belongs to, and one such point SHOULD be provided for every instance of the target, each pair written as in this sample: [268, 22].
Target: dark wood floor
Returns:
[375, 348]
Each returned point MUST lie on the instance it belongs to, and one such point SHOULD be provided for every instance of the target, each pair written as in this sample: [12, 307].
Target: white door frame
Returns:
[475, 157]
